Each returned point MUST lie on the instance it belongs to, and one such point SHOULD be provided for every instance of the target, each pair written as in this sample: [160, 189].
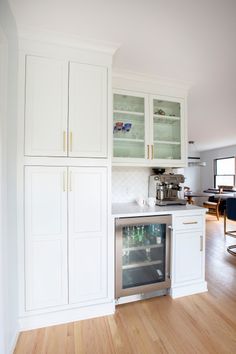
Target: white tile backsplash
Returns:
[128, 183]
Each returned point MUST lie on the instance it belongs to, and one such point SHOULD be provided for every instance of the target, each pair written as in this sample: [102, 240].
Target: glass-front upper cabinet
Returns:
[148, 130]
[167, 129]
[129, 126]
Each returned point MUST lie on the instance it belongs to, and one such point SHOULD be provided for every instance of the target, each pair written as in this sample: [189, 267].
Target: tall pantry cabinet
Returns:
[64, 167]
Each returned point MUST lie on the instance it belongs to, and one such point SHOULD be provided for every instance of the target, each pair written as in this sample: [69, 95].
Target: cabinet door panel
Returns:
[45, 273]
[88, 282]
[46, 107]
[87, 234]
[130, 127]
[188, 256]
[88, 110]
[45, 237]
[167, 129]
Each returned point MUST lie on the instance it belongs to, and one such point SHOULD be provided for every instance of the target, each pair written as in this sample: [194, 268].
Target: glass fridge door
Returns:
[142, 254]
[166, 129]
[128, 126]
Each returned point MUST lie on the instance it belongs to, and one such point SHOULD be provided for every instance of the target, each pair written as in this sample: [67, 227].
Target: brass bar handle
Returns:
[71, 141]
[201, 243]
[64, 181]
[190, 222]
[70, 182]
[152, 151]
[64, 141]
[148, 151]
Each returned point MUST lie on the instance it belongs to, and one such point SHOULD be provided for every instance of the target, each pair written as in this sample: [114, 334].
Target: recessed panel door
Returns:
[45, 237]
[87, 110]
[87, 234]
[46, 101]
[189, 251]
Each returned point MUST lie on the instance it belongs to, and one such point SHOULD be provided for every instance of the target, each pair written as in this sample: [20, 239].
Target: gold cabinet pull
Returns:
[64, 141]
[70, 184]
[64, 181]
[71, 141]
[201, 243]
[189, 222]
[148, 151]
[152, 151]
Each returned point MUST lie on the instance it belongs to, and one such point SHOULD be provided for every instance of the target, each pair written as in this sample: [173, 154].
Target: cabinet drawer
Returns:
[188, 222]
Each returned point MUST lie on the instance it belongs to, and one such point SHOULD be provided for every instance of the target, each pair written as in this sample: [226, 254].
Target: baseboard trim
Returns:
[14, 341]
[190, 289]
[65, 316]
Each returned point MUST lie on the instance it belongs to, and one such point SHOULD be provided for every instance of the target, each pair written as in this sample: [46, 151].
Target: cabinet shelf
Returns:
[167, 142]
[129, 112]
[164, 117]
[129, 140]
[141, 264]
[138, 248]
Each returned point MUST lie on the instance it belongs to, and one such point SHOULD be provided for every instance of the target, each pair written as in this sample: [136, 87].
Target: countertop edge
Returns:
[133, 209]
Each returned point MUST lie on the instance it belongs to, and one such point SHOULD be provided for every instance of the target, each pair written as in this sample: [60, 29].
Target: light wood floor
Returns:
[204, 323]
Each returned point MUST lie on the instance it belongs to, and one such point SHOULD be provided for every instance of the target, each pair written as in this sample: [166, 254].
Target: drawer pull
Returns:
[70, 182]
[64, 141]
[64, 181]
[148, 151]
[190, 222]
[71, 141]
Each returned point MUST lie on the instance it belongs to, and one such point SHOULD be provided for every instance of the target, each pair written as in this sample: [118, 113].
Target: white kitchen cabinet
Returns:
[167, 130]
[130, 126]
[87, 234]
[65, 207]
[186, 244]
[188, 258]
[87, 110]
[188, 252]
[64, 172]
[46, 82]
[45, 237]
[66, 107]
[156, 134]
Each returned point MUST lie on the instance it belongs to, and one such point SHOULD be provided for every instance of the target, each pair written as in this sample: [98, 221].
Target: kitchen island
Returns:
[186, 243]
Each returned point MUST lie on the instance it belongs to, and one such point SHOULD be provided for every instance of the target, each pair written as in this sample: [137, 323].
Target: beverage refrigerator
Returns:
[142, 254]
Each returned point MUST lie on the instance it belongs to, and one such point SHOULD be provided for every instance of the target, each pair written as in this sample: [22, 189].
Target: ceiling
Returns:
[184, 40]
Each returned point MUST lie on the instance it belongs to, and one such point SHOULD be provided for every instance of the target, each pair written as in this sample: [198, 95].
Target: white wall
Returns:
[193, 178]
[3, 71]
[207, 173]
[8, 236]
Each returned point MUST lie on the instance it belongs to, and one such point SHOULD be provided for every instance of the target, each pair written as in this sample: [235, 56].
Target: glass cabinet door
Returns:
[128, 126]
[143, 254]
[166, 129]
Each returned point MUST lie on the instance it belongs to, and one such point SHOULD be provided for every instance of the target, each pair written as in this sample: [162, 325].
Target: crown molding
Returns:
[62, 39]
[148, 78]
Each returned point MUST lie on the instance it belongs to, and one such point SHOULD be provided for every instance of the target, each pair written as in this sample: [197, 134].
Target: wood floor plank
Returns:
[204, 323]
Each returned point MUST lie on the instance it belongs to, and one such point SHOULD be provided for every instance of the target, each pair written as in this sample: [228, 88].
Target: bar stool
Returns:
[213, 207]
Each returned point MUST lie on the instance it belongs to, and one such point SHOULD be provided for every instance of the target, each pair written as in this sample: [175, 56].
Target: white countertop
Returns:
[133, 209]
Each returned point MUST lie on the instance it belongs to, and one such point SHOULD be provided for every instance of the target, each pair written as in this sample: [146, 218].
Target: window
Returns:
[225, 172]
